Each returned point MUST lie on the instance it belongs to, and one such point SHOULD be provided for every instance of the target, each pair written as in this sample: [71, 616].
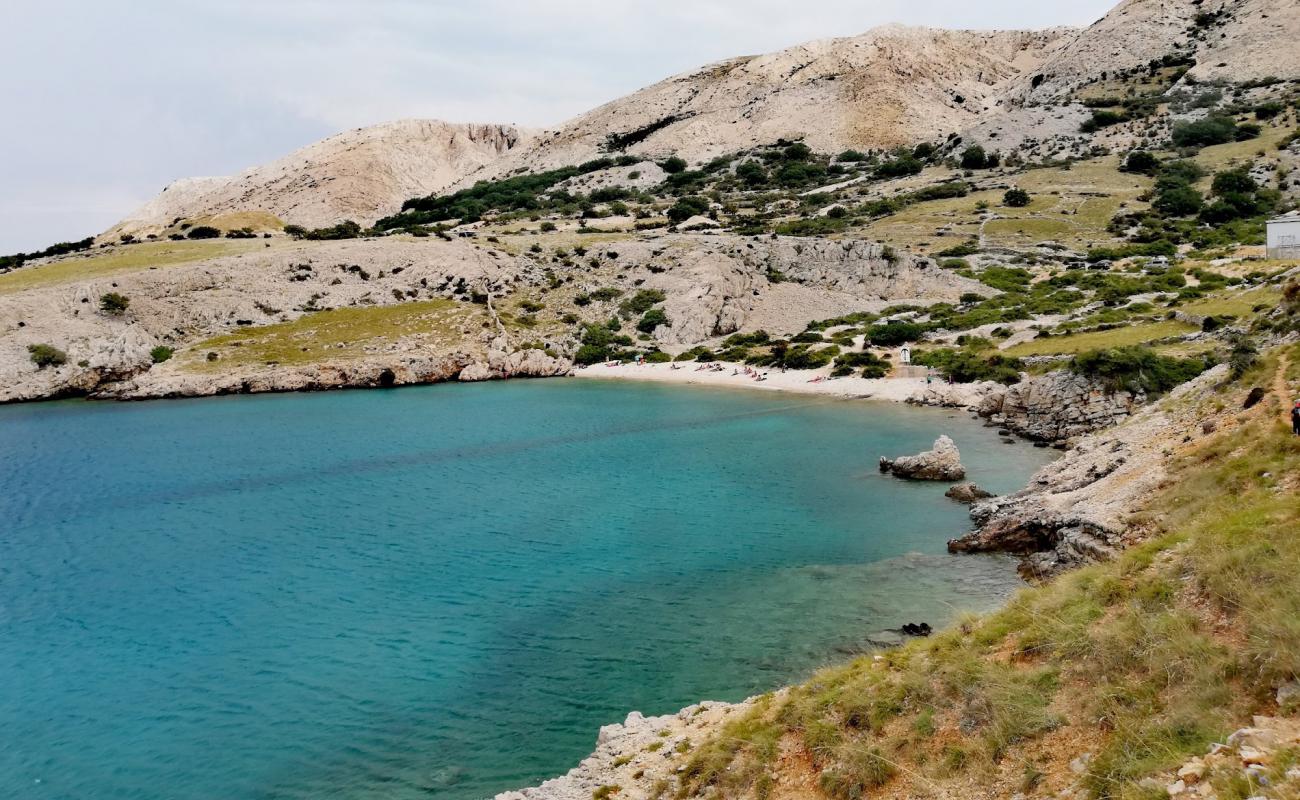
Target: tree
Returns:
[687, 207]
[673, 165]
[1141, 162]
[203, 232]
[114, 304]
[1179, 200]
[1015, 198]
[1216, 129]
[652, 319]
[46, 355]
[1233, 181]
[974, 157]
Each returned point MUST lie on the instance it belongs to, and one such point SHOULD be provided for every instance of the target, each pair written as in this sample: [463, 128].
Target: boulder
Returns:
[942, 463]
[967, 493]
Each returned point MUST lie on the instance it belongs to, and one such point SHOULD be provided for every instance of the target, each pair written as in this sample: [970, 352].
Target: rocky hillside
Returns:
[1217, 40]
[360, 175]
[893, 85]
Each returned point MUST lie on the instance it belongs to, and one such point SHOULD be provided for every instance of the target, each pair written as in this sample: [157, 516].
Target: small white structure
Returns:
[905, 354]
[1284, 236]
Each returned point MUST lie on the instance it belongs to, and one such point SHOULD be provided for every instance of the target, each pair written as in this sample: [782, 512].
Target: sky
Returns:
[108, 101]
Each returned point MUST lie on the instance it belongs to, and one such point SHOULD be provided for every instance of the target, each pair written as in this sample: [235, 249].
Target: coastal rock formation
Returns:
[1076, 510]
[404, 371]
[941, 463]
[1057, 406]
[967, 493]
[637, 755]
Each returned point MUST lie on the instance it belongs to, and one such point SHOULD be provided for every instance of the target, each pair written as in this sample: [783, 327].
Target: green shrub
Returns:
[1015, 198]
[1214, 129]
[1141, 162]
[161, 353]
[114, 303]
[892, 334]
[652, 319]
[967, 366]
[871, 365]
[203, 232]
[1136, 369]
[687, 207]
[46, 355]
[1102, 118]
[673, 165]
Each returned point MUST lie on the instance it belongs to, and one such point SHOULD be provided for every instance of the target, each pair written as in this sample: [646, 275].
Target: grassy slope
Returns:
[1115, 337]
[1142, 662]
[339, 334]
[122, 260]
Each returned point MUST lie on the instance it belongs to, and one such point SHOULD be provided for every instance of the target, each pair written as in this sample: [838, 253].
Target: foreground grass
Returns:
[1142, 662]
[339, 334]
[121, 260]
[1115, 337]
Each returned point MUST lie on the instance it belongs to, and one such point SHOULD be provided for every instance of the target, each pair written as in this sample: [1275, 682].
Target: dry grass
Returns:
[1116, 337]
[120, 260]
[342, 334]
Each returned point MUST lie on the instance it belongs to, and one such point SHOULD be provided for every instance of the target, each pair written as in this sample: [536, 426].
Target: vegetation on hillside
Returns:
[1143, 662]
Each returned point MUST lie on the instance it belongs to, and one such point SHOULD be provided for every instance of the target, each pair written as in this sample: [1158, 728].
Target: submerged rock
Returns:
[967, 493]
[942, 463]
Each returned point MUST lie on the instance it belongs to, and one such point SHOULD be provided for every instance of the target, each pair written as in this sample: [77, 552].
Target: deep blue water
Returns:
[442, 591]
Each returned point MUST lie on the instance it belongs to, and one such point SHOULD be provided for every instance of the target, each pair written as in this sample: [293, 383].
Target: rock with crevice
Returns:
[940, 463]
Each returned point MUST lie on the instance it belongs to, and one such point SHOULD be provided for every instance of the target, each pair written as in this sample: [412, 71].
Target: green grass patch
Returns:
[1095, 340]
[122, 260]
[336, 335]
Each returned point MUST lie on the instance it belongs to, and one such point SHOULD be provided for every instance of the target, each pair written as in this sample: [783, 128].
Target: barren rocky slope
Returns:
[893, 85]
[360, 175]
[1232, 40]
[423, 309]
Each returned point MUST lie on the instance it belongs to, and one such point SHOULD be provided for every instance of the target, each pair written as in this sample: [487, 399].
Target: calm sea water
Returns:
[443, 591]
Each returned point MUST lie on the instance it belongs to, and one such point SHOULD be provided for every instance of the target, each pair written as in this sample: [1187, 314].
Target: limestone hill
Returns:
[360, 174]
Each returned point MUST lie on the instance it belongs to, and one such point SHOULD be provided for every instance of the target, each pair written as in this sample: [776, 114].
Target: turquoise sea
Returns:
[442, 591]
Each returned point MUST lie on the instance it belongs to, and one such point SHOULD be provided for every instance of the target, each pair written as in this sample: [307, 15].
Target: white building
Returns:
[1284, 236]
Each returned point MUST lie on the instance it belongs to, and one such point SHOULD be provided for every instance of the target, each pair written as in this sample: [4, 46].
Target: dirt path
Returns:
[1282, 388]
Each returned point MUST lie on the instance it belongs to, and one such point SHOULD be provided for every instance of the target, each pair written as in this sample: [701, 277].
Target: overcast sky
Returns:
[107, 101]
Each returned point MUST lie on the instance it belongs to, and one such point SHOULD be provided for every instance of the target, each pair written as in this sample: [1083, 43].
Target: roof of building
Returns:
[1290, 216]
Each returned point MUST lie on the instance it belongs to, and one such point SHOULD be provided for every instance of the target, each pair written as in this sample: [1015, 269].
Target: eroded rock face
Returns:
[942, 463]
[1057, 406]
[1076, 510]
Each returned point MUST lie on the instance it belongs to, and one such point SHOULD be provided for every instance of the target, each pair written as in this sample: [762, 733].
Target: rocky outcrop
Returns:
[368, 373]
[1076, 510]
[942, 463]
[967, 493]
[1057, 406]
[634, 757]
[530, 363]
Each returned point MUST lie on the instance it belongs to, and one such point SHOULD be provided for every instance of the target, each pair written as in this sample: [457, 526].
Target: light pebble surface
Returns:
[894, 389]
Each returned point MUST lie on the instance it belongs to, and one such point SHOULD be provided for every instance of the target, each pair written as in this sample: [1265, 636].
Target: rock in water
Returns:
[942, 463]
[967, 493]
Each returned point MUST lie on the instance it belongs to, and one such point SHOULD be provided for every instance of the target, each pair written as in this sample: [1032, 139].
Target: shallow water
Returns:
[442, 591]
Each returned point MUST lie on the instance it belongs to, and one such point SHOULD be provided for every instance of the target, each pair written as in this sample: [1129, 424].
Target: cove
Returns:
[442, 591]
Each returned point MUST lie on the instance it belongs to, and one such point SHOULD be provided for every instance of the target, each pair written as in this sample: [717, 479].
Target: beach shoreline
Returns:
[815, 382]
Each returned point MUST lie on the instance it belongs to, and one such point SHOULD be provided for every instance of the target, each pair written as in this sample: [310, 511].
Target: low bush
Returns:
[203, 232]
[114, 304]
[46, 355]
[1137, 369]
[161, 353]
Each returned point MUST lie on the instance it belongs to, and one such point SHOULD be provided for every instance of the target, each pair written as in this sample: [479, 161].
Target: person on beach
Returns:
[1295, 418]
